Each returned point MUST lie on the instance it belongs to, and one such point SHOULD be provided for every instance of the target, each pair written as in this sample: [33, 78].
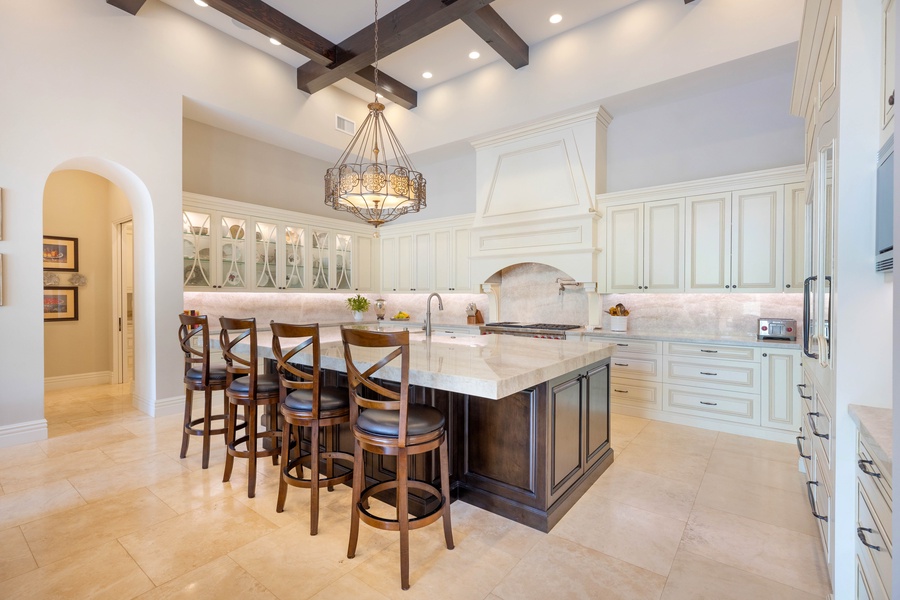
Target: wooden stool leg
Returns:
[314, 479]
[330, 446]
[358, 480]
[445, 491]
[207, 422]
[229, 440]
[251, 448]
[403, 515]
[285, 459]
[185, 437]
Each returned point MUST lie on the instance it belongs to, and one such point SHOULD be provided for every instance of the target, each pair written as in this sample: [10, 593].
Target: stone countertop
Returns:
[876, 427]
[691, 337]
[488, 366]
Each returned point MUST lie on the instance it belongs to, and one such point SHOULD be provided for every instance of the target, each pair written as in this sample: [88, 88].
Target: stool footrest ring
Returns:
[393, 524]
[304, 461]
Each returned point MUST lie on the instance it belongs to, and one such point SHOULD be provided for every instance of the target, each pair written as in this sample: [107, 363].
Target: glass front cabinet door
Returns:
[332, 258]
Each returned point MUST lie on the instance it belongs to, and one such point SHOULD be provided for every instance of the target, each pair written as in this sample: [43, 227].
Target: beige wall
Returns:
[82, 205]
[228, 165]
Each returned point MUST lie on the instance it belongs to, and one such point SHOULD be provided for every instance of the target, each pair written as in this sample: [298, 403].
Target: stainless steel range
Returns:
[550, 331]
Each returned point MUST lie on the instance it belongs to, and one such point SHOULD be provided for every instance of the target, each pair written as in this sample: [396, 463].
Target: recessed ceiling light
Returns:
[274, 42]
[474, 54]
[427, 75]
[201, 3]
[240, 25]
[555, 18]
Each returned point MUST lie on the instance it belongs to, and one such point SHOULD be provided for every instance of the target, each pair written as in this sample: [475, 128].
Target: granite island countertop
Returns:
[876, 427]
[488, 366]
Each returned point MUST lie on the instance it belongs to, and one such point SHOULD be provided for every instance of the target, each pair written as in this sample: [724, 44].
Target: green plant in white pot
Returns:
[358, 304]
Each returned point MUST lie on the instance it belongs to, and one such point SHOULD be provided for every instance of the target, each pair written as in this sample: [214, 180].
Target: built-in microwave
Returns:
[884, 209]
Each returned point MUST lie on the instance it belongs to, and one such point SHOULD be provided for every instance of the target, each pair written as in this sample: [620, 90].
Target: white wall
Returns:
[741, 128]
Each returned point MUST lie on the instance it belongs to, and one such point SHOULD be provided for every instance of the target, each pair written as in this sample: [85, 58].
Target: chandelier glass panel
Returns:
[374, 178]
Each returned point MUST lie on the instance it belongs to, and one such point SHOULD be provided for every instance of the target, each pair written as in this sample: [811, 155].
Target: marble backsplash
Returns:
[326, 307]
[529, 292]
[712, 314]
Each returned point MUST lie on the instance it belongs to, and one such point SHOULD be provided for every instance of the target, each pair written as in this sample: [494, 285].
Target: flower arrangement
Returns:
[358, 303]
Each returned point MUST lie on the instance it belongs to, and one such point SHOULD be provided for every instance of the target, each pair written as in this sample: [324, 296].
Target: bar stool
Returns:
[390, 425]
[200, 376]
[250, 390]
[305, 403]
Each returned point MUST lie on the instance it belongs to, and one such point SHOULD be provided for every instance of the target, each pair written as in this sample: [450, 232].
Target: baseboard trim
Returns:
[160, 407]
[22, 433]
[756, 431]
[79, 380]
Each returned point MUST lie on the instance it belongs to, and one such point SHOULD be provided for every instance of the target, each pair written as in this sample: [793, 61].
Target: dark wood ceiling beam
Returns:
[129, 6]
[409, 23]
[395, 91]
[273, 23]
[491, 27]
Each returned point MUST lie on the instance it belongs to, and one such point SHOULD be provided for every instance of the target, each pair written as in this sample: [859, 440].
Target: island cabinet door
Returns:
[567, 408]
[596, 384]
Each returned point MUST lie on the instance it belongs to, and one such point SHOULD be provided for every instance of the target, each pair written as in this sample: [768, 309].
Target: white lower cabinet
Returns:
[752, 389]
[874, 543]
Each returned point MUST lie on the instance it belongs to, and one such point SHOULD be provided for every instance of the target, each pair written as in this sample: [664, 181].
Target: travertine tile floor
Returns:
[105, 509]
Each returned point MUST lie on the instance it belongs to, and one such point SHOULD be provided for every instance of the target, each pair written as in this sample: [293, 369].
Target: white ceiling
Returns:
[444, 53]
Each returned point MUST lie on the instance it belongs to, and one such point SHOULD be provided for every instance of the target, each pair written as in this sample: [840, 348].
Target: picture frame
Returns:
[61, 304]
[60, 253]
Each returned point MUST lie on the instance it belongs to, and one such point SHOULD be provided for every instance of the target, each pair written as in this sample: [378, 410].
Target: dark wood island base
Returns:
[528, 456]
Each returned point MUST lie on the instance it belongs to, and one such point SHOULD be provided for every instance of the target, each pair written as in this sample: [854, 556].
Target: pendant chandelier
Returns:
[374, 178]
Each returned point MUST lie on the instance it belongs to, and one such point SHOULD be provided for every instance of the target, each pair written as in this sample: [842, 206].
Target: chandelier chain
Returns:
[376, 50]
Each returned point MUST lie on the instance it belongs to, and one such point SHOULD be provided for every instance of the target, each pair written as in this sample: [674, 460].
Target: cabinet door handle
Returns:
[861, 533]
[709, 403]
[623, 345]
[626, 391]
[811, 417]
[708, 373]
[812, 501]
[800, 447]
[862, 467]
[709, 351]
[799, 391]
[621, 364]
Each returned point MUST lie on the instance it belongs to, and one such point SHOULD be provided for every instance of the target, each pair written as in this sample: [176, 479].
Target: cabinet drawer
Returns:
[712, 351]
[871, 541]
[632, 392]
[628, 366]
[821, 429]
[730, 375]
[633, 346]
[818, 493]
[875, 481]
[727, 406]
[867, 585]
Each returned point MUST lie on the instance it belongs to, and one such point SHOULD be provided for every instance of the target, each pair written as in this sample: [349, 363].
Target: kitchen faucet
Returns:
[428, 311]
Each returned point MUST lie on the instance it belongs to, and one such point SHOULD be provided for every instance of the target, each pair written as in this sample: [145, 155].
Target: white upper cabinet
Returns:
[735, 241]
[406, 262]
[757, 239]
[708, 241]
[645, 250]
[794, 237]
[231, 245]
[451, 259]
[888, 56]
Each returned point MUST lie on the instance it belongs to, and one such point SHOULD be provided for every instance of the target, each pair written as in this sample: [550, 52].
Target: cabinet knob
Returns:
[891, 98]
[787, 285]
[764, 355]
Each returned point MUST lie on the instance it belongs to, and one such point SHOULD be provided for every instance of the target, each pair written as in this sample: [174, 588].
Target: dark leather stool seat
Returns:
[389, 425]
[265, 384]
[200, 376]
[330, 399]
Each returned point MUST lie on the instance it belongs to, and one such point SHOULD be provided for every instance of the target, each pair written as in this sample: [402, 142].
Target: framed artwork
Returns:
[61, 304]
[60, 253]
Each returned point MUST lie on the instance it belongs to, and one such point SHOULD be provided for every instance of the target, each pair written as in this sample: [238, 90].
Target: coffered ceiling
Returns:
[444, 52]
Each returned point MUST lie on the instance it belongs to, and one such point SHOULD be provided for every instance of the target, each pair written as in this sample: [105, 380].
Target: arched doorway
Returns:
[130, 201]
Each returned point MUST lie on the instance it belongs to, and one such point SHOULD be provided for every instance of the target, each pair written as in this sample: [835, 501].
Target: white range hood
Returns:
[535, 196]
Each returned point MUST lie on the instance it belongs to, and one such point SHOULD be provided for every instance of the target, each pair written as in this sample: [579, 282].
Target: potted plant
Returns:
[358, 304]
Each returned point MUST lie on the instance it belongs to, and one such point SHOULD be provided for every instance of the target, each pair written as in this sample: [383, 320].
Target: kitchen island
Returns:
[527, 419]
